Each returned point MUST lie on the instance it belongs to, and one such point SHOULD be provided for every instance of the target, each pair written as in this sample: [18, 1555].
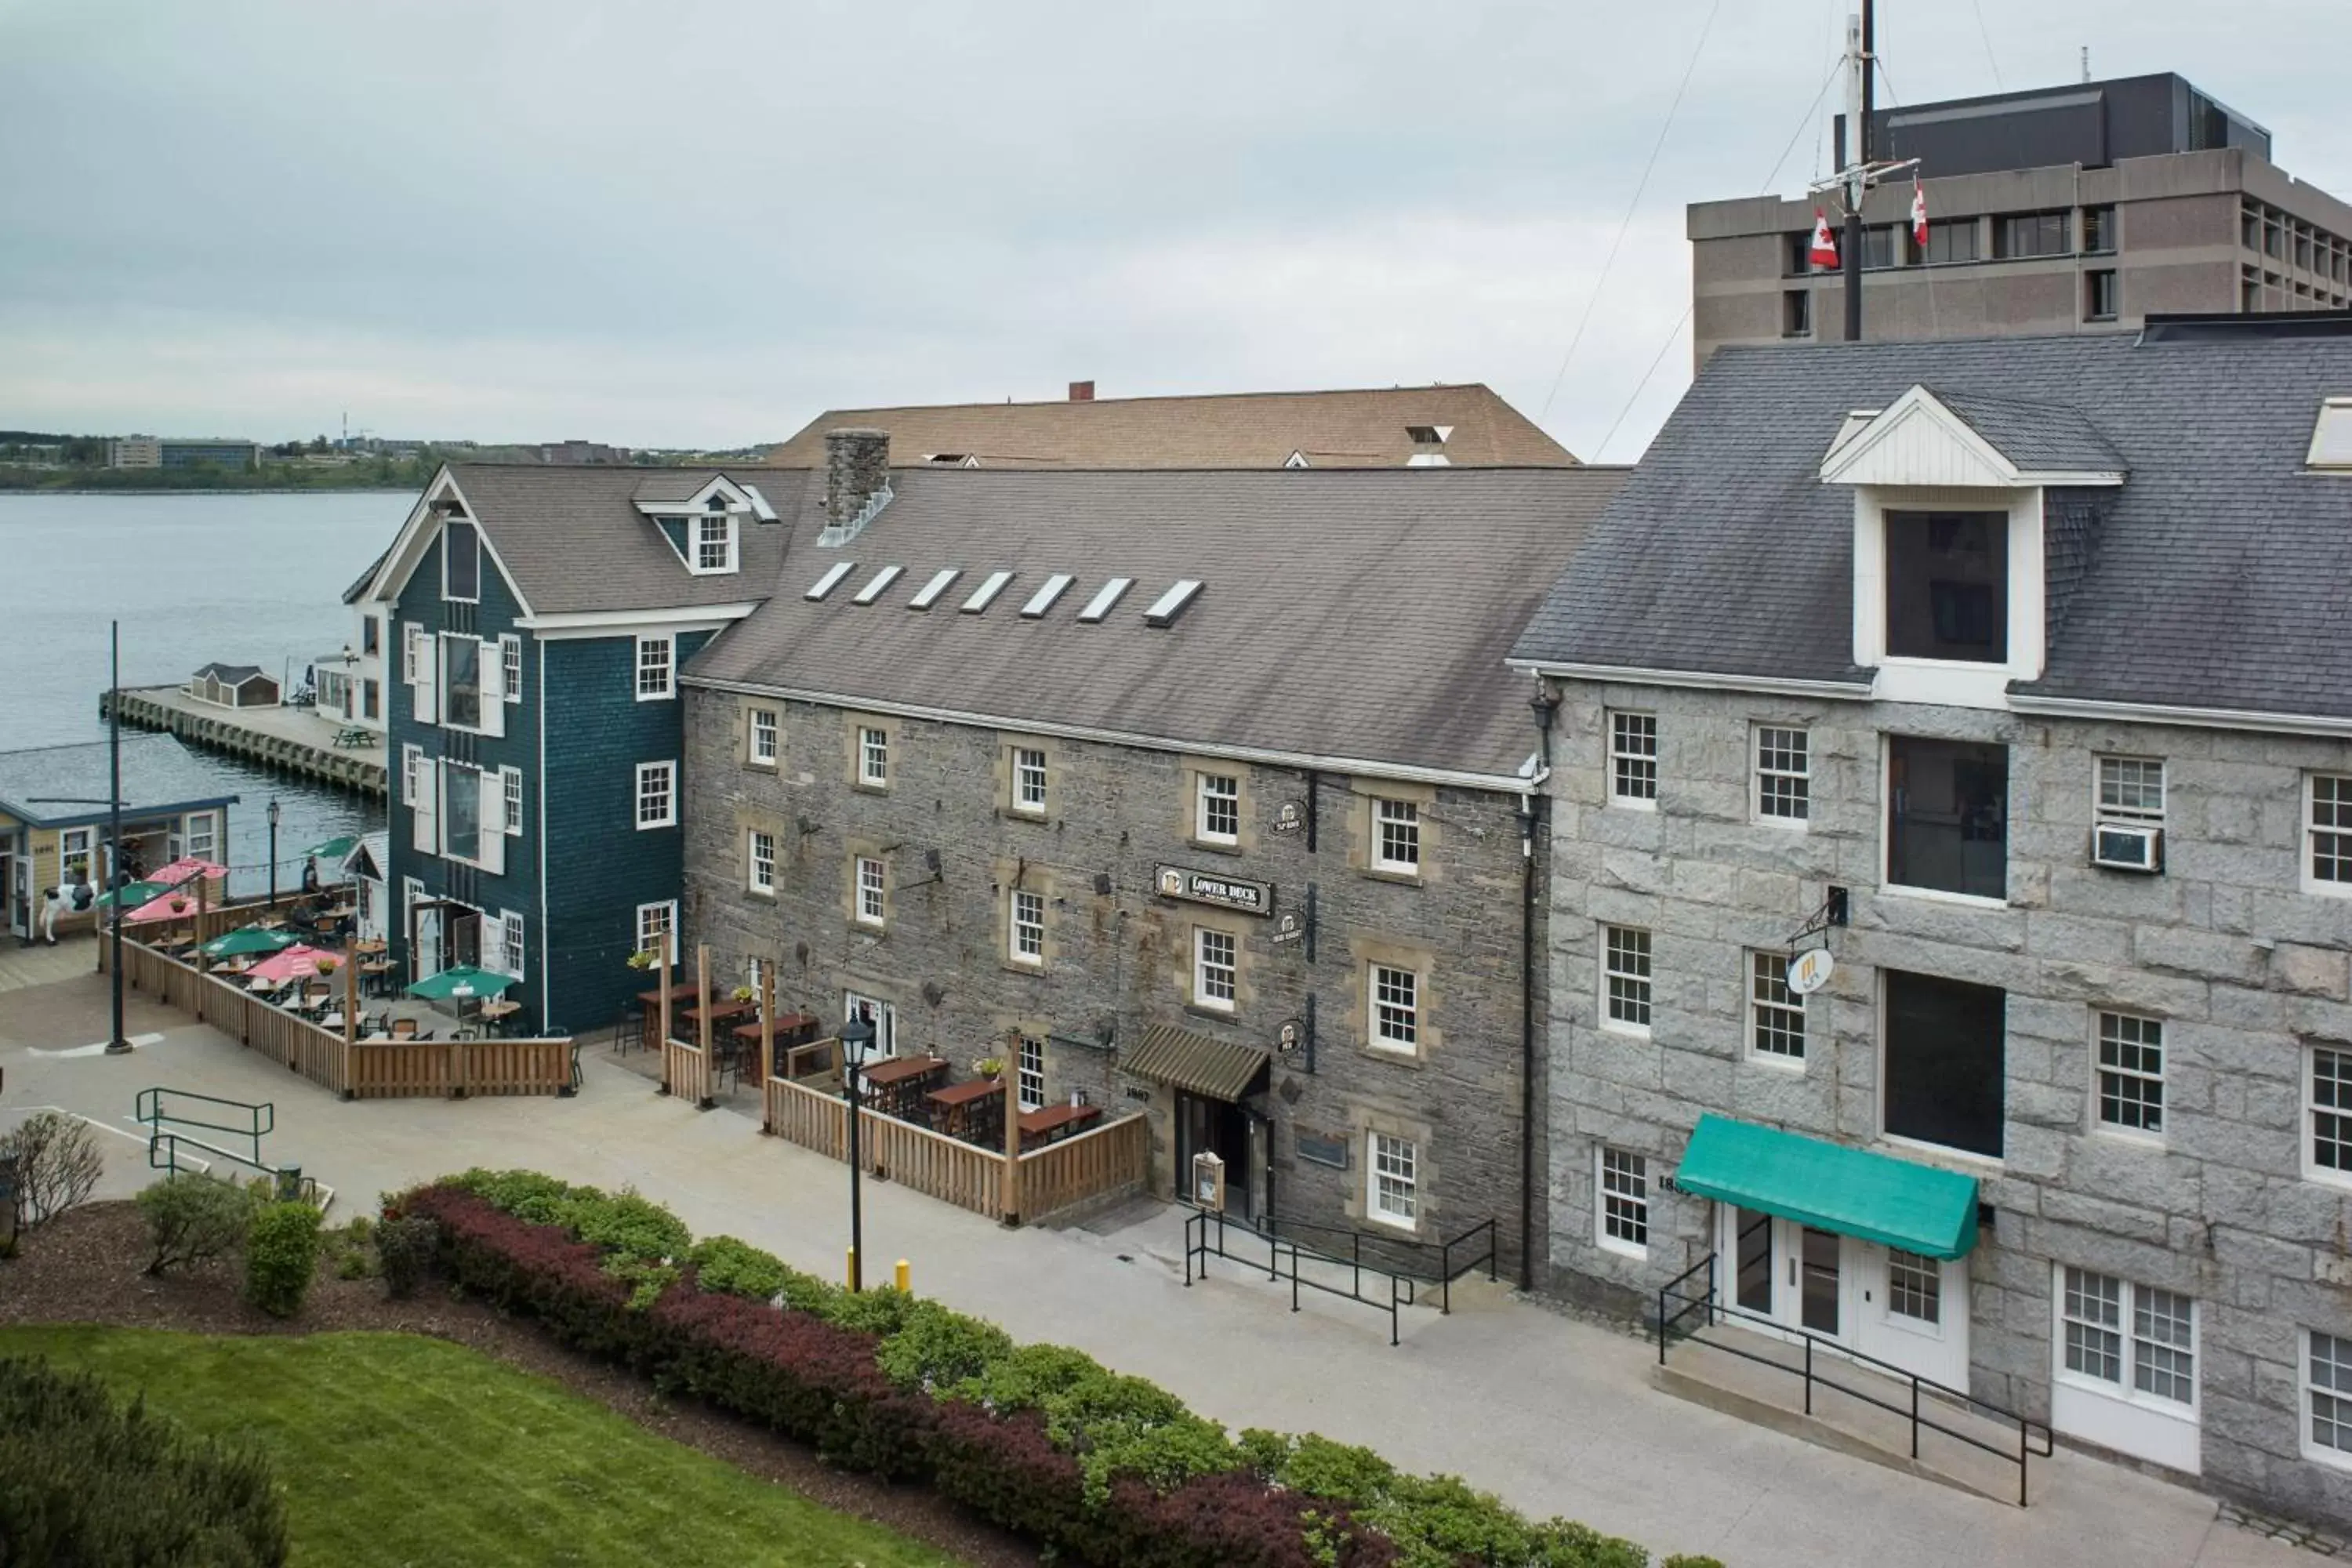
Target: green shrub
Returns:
[881, 1310]
[1689, 1560]
[514, 1192]
[738, 1268]
[404, 1247]
[84, 1481]
[281, 1257]
[622, 1222]
[193, 1219]
[934, 1348]
[56, 1164]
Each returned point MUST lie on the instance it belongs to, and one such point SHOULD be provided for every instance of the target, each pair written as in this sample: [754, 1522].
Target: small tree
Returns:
[56, 1164]
[404, 1244]
[281, 1257]
[193, 1219]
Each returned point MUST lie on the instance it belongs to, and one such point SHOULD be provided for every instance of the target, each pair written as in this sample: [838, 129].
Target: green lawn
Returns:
[399, 1450]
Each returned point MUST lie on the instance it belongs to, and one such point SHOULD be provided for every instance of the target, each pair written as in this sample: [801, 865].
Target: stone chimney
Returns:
[856, 469]
[1082, 392]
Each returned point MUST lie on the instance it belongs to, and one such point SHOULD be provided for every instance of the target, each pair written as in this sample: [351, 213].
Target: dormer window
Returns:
[1947, 586]
[714, 542]
[2331, 437]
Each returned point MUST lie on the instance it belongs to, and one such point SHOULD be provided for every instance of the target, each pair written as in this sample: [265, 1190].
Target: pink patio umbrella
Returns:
[181, 902]
[187, 868]
[298, 959]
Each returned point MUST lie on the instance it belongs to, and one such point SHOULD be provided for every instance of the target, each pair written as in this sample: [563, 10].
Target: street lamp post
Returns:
[272, 814]
[856, 1037]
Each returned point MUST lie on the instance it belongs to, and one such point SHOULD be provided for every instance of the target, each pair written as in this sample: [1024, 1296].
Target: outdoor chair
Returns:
[404, 1028]
[630, 1029]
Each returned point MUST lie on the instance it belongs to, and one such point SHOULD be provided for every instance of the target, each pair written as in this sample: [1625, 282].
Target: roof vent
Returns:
[1429, 435]
[1043, 599]
[831, 578]
[1172, 604]
[929, 594]
[985, 594]
[1429, 460]
[2331, 437]
[877, 584]
[1105, 597]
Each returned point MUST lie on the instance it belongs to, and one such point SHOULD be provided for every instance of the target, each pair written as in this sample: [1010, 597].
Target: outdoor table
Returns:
[796, 1028]
[376, 974]
[372, 946]
[893, 1085]
[1052, 1123]
[963, 1110]
[496, 1012]
[720, 1011]
[680, 992]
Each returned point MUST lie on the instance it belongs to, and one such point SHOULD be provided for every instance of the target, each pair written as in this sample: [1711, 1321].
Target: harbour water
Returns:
[245, 579]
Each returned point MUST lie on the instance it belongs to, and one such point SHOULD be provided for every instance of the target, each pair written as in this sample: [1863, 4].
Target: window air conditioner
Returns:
[2129, 847]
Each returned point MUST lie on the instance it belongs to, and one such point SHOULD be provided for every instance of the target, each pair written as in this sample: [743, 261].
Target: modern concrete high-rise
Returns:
[2081, 208]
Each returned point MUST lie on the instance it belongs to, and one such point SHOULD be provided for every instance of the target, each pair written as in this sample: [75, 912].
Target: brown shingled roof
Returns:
[1359, 429]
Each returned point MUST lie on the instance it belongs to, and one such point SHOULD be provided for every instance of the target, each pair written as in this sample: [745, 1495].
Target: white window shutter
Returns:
[428, 679]
[492, 854]
[428, 808]
[492, 663]
[494, 945]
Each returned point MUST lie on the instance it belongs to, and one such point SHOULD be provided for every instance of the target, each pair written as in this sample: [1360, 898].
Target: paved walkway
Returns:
[1556, 1416]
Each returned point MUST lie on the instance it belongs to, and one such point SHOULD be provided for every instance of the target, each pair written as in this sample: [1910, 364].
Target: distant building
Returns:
[53, 820]
[163, 452]
[233, 686]
[581, 452]
[134, 452]
[2081, 208]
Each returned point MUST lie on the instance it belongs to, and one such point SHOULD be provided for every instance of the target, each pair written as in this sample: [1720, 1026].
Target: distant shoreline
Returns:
[216, 491]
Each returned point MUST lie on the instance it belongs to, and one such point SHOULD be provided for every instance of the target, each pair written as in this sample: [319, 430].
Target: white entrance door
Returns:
[428, 944]
[878, 1013]
[1893, 1306]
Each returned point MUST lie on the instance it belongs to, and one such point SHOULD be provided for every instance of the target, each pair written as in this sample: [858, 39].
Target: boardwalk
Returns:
[297, 740]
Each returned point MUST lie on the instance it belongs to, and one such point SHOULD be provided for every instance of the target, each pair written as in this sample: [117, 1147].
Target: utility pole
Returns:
[1862, 42]
[116, 1042]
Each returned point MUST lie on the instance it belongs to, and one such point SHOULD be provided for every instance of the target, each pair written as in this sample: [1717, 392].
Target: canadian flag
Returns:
[1824, 250]
[1918, 216]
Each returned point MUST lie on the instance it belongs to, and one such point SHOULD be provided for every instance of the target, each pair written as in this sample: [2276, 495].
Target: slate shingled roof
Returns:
[228, 674]
[2218, 578]
[1351, 614]
[572, 538]
[158, 775]
[2039, 438]
[1353, 430]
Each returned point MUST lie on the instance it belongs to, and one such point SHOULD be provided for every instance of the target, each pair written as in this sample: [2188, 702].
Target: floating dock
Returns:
[295, 740]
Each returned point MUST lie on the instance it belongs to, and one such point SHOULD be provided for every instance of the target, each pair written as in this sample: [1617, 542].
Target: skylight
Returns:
[876, 584]
[1105, 597]
[1429, 460]
[1043, 599]
[1429, 435]
[2331, 437]
[985, 594]
[831, 578]
[928, 595]
[1171, 604]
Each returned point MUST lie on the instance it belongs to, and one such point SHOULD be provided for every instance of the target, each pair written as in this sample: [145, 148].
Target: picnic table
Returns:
[497, 1010]
[896, 1085]
[1052, 1123]
[682, 992]
[972, 1110]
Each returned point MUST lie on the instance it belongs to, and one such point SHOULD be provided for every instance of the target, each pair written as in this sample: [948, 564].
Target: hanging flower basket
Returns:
[743, 993]
[990, 1068]
[642, 961]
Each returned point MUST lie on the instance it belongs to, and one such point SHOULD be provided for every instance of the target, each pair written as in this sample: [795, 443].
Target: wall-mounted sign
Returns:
[1289, 927]
[1810, 970]
[1208, 888]
[1138, 1092]
[1321, 1151]
[1289, 1037]
[1289, 817]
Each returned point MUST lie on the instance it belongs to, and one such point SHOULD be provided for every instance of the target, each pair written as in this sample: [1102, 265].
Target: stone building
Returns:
[2024, 659]
[1201, 791]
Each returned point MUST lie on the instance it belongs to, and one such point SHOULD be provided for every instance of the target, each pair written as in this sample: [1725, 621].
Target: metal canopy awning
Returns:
[1852, 1192]
[1194, 1063]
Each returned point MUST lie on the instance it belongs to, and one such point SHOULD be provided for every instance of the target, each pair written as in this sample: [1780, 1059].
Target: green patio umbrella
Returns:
[463, 982]
[333, 849]
[133, 894]
[248, 940]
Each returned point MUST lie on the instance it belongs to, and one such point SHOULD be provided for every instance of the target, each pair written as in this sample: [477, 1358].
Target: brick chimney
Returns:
[1082, 392]
[857, 466]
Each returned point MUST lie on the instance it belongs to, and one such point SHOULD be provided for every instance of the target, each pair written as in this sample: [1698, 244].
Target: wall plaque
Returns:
[1209, 888]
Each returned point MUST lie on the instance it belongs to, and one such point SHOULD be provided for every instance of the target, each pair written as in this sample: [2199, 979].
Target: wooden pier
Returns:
[295, 740]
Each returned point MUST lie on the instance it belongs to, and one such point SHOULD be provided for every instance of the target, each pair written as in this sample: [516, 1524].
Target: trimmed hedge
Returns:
[281, 1257]
[1044, 1440]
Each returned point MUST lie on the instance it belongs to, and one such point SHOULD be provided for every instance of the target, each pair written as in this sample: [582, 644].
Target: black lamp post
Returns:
[272, 814]
[856, 1037]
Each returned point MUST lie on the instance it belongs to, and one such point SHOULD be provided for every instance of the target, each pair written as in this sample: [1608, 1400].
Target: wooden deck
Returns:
[298, 740]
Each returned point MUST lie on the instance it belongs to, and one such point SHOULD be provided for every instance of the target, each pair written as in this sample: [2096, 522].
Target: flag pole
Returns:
[1861, 46]
[116, 1043]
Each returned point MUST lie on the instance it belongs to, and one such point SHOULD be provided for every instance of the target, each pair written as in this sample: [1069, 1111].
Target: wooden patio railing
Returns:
[685, 1072]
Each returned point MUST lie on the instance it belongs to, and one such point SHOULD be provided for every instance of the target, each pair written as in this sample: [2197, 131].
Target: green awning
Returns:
[1831, 1187]
[332, 848]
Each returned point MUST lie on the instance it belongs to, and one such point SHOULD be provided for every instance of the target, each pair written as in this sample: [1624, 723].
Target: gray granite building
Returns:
[1202, 792]
[2025, 660]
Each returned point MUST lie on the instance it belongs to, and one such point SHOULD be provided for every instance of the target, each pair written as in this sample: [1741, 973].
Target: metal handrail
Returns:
[1400, 1286]
[1443, 1275]
[1714, 1308]
[261, 1120]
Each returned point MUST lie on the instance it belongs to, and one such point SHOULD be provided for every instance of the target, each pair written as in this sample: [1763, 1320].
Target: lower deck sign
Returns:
[1208, 888]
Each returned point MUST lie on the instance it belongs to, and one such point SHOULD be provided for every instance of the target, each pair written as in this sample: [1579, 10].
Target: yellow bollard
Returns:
[849, 1264]
[905, 1274]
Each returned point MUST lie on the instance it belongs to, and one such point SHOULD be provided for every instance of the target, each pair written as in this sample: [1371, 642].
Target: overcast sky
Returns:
[693, 223]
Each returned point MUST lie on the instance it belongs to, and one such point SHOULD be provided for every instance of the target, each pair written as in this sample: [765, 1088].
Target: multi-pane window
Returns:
[872, 880]
[2330, 830]
[512, 922]
[714, 544]
[2137, 1337]
[654, 667]
[1028, 926]
[1624, 1205]
[1215, 969]
[1396, 844]
[1030, 1073]
[657, 929]
[1625, 977]
[510, 788]
[201, 835]
[2327, 1385]
[1219, 819]
[2030, 234]
[1776, 1015]
[2101, 296]
[74, 855]
[412, 638]
[412, 761]
[873, 757]
[656, 795]
[1633, 758]
[1784, 768]
[2327, 1111]
[1952, 240]
[1394, 1169]
[511, 660]
[759, 861]
[461, 681]
[2131, 1072]
[2131, 788]
[1029, 781]
[1914, 1286]
[763, 737]
[1396, 1007]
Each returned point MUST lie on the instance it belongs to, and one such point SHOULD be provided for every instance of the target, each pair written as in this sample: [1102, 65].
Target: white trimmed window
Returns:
[1915, 1286]
[2131, 789]
[2328, 1114]
[200, 835]
[656, 795]
[1215, 969]
[1625, 978]
[1776, 1015]
[1029, 1073]
[1029, 781]
[1395, 1008]
[2327, 1397]
[1623, 1211]
[1218, 815]
[1784, 775]
[2131, 1073]
[759, 861]
[1633, 759]
[873, 882]
[411, 760]
[2327, 865]
[714, 542]
[658, 928]
[1028, 920]
[511, 791]
[656, 667]
[411, 634]
[510, 661]
[873, 757]
[1392, 1166]
[1396, 837]
[514, 948]
[763, 737]
[2139, 1340]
